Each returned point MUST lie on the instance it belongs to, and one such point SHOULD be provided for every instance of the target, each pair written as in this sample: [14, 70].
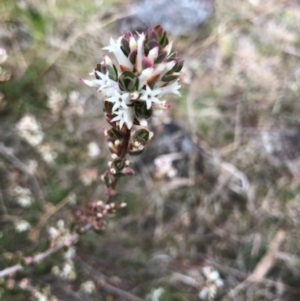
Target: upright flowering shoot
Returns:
[146, 70]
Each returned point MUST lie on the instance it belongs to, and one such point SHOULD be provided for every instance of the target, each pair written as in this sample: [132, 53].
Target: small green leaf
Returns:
[141, 110]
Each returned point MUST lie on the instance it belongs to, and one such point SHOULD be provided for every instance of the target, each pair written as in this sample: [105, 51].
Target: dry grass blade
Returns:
[266, 263]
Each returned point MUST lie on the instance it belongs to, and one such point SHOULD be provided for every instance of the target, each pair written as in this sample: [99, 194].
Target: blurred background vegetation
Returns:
[218, 187]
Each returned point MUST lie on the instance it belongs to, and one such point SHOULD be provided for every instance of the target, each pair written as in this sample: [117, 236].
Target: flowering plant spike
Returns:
[146, 70]
[133, 88]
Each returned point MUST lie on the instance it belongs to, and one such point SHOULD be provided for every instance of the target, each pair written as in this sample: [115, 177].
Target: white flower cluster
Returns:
[93, 150]
[43, 295]
[66, 272]
[32, 166]
[55, 101]
[88, 287]
[139, 76]
[164, 165]
[88, 176]
[71, 198]
[76, 103]
[47, 153]
[59, 235]
[212, 283]
[23, 196]
[156, 294]
[22, 226]
[40, 296]
[30, 130]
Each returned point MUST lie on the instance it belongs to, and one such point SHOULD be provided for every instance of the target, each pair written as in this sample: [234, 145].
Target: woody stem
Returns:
[122, 155]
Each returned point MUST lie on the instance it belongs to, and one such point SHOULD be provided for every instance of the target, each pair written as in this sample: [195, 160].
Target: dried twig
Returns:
[243, 276]
[261, 270]
[102, 284]
[266, 263]
[40, 256]
[8, 154]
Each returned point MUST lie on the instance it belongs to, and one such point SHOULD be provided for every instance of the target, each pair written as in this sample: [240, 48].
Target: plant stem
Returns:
[123, 152]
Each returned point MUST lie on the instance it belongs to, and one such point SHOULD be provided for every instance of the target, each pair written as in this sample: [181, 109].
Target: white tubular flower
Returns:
[108, 92]
[134, 95]
[173, 89]
[124, 116]
[115, 47]
[107, 60]
[103, 83]
[161, 106]
[143, 122]
[91, 83]
[150, 96]
[163, 68]
[132, 43]
[109, 86]
[153, 53]
[140, 52]
[168, 67]
[145, 75]
[168, 48]
[160, 69]
[120, 100]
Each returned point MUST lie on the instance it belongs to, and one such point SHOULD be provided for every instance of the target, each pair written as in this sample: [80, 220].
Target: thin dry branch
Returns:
[8, 154]
[30, 260]
[261, 269]
[102, 284]
[243, 276]
[266, 263]
[263, 266]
